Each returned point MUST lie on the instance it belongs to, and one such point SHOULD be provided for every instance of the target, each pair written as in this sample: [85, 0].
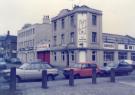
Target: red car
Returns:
[81, 70]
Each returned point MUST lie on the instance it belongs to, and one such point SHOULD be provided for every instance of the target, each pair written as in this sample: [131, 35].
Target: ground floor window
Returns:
[94, 54]
[108, 56]
[72, 55]
[122, 55]
[133, 56]
[55, 56]
[63, 55]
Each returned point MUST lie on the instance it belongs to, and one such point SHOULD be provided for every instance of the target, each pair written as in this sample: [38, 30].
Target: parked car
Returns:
[32, 72]
[3, 64]
[15, 61]
[131, 62]
[120, 69]
[80, 70]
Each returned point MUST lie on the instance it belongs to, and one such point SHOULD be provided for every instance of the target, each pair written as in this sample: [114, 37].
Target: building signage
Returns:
[82, 30]
[126, 47]
[109, 46]
[42, 47]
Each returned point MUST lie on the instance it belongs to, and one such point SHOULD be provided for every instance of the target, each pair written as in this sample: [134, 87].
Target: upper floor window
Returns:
[72, 20]
[62, 39]
[94, 37]
[94, 19]
[72, 37]
[55, 25]
[55, 39]
[63, 23]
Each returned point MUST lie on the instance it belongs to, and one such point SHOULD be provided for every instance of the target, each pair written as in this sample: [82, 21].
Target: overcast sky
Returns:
[118, 15]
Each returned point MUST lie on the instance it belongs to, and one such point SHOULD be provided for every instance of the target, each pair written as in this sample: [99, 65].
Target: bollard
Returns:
[112, 75]
[13, 79]
[94, 73]
[44, 79]
[71, 78]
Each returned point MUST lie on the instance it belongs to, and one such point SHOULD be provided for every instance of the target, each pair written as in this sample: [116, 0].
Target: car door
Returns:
[33, 72]
[86, 70]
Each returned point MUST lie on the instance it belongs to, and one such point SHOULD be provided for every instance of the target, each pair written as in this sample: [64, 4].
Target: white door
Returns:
[82, 56]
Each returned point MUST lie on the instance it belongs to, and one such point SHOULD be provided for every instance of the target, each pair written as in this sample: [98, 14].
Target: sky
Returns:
[118, 15]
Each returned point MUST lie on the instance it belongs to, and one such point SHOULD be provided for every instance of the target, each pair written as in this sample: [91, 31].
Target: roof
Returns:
[83, 8]
[2, 38]
[10, 37]
[114, 38]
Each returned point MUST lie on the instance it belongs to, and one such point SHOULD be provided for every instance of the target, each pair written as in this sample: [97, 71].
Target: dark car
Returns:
[120, 69]
[3, 64]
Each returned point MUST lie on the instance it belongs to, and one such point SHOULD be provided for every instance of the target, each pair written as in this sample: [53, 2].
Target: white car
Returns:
[32, 71]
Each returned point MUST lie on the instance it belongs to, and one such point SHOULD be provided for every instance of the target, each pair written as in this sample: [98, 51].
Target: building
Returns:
[77, 37]
[8, 46]
[33, 40]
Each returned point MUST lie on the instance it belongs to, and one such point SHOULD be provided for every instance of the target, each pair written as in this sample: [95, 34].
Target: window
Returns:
[55, 39]
[94, 19]
[94, 37]
[130, 47]
[55, 25]
[108, 56]
[122, 55]
[94, 53]
[62, 39]
[126, 46]
[72, 20]
[55, 56]
[72, 55]
[62, 23]
[72, 37]
[133, 56]
[63, 56]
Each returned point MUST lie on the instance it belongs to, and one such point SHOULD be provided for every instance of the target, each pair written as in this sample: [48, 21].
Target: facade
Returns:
[8, 46]
[32, 38]
[77, 37]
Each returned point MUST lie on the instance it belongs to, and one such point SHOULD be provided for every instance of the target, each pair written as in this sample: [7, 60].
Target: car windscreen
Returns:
[46, 66]
[77, 65]
[24, 66]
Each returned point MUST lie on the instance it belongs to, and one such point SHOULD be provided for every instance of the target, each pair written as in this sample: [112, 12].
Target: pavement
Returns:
[124, 85]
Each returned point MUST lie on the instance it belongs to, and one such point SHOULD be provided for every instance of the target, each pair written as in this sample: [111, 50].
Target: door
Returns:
[82, 56]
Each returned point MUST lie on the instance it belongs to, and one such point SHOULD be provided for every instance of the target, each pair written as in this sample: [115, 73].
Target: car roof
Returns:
[87, 63]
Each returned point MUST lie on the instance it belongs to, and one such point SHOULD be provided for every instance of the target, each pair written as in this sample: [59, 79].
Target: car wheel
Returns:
[77, 76]
[66, 77]
[50, 77]
[18, 79]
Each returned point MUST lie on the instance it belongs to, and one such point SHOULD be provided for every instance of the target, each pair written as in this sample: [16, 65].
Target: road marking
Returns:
[128, 83]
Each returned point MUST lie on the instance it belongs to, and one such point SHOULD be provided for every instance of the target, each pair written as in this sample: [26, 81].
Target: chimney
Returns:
[8, 32]
[46, 20]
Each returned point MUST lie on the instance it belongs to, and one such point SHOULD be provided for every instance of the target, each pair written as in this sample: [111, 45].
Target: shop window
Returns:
[122, 55]
[133, 56]
[108, 56]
